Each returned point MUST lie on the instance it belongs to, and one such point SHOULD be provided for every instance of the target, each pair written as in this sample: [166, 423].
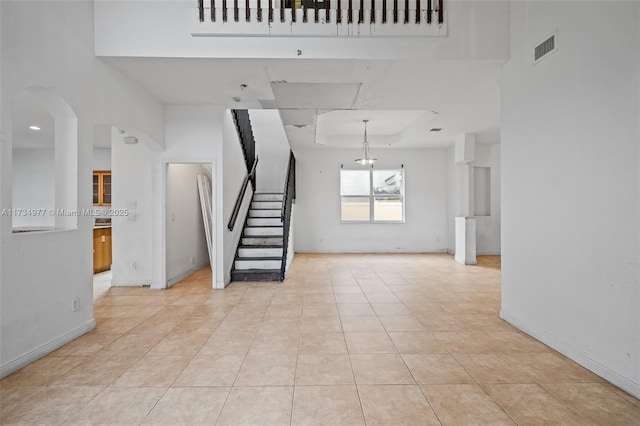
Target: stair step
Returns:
[261, 241]
[264, 221]
[266, 204]
[268, 196]
[256, 252]
[259, 275]
[262, 231]
[258, 263]
[265, 213]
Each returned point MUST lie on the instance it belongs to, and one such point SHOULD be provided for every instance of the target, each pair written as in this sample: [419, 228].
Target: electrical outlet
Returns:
[133, 265]
[75, 305]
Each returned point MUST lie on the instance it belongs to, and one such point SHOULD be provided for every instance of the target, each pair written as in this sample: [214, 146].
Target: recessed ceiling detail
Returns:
[385, 128]
[315, 95]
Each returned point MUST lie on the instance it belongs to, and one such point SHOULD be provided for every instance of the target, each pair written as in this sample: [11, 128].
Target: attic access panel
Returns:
[315, 95]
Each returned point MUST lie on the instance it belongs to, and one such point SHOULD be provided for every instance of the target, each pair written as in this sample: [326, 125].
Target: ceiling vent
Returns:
[547, 47]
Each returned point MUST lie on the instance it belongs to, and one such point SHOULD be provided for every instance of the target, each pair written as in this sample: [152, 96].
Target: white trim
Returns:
[47, 348]
[574, 354]
[130, 283]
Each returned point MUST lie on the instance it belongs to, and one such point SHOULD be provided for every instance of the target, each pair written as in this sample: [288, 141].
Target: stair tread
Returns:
[258, 246]
[258, 258]
[262, 236]
[258, 275]
[263, 226]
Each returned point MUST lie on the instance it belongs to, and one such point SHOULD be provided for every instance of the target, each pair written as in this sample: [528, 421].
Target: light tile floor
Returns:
[346, 340]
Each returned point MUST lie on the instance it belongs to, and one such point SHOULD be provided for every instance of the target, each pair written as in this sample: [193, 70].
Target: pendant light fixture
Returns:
[366, 159]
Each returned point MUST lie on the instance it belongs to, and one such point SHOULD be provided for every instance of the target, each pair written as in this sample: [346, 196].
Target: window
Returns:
[372, 196]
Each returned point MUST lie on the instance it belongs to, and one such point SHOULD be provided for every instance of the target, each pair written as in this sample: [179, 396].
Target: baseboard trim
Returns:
[130, 283]
[381, 251]
[47, 348]
[569, 351]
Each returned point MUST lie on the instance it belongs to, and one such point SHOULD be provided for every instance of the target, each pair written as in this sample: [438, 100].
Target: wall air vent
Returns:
[544, 49]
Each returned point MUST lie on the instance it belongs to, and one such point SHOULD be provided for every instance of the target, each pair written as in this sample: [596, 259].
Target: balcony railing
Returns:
[321, 17]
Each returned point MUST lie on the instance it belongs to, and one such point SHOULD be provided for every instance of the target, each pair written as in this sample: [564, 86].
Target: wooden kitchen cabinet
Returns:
[102, 188]
[101, 249]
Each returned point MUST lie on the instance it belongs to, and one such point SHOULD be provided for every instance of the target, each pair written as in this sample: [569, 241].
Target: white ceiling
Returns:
[404, 99]
[345, 129]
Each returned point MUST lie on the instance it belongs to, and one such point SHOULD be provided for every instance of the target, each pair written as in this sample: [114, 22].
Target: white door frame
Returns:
[217, 279]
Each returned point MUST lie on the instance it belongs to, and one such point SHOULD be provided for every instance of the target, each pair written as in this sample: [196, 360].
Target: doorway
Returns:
[189, 232]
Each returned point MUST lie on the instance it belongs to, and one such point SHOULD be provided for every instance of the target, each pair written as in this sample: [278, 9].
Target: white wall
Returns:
[272, 149]
[49, 44]
[193, 135]
[235, 171]
[33, 186]
[317, 224]
[131, 234]
[476, 30]
[570, 184]
[101, 159]
[186, 241]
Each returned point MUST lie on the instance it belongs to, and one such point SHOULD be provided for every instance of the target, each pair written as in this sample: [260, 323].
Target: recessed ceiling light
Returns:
[34, 128]
[435, 129]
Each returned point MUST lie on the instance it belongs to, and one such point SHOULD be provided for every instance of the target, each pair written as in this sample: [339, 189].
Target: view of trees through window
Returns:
[372, 195]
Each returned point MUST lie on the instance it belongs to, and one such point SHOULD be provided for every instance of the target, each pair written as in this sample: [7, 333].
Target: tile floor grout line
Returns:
[424, 395]
[317, 274]
[295, 374]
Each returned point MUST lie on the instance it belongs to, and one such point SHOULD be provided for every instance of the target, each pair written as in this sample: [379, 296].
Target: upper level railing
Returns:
[321, 17]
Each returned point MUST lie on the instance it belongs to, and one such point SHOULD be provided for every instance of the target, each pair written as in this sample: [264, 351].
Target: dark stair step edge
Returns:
[258, 246]
[261, 275]
[263, 226]
[258, 258]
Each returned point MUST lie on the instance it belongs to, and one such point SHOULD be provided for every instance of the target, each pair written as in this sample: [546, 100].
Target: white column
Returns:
[465, 223]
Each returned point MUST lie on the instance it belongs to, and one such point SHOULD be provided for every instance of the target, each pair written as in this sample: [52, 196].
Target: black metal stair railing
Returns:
[247, 140]
[287, 202]
[433, 7]
[248, 143]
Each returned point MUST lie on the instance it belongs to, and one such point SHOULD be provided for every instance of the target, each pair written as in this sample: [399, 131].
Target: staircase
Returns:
[259, 255]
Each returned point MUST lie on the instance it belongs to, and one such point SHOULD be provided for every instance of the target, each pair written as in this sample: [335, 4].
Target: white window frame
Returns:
[372, 197]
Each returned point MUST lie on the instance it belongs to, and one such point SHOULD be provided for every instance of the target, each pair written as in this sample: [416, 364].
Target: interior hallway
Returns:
[346, 339]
